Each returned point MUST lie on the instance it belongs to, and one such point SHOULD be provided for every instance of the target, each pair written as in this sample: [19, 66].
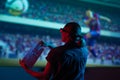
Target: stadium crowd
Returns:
[17, 45]
[62, 12]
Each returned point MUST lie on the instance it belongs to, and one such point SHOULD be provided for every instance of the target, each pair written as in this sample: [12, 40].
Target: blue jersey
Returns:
[94, 24]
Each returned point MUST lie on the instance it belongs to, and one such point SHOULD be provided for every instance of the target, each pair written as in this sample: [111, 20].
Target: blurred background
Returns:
[24, 22]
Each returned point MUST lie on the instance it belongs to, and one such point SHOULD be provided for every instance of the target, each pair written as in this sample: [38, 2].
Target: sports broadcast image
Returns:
[30, 30]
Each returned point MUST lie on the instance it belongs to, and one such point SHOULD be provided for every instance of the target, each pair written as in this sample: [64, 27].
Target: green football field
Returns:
[15, 62]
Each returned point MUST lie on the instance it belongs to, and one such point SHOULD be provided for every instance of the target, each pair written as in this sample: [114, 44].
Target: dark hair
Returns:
[74, 29]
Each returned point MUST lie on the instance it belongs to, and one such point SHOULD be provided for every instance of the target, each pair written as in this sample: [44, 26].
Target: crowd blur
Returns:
[62, 12]
[17, 45]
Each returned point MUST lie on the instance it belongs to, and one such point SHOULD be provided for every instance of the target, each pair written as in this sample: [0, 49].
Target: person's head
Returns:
[71, 32]
[89, 13]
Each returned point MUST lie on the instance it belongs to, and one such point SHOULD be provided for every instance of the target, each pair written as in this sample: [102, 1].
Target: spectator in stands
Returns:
[66, 62]
[92, 20]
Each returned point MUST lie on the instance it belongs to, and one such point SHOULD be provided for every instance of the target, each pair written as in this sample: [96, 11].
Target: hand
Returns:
[23, 65]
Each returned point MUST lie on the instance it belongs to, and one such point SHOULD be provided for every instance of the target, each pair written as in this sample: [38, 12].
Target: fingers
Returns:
[23, 64]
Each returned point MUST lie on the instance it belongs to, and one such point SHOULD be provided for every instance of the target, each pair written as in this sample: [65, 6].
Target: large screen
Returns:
[21, 29]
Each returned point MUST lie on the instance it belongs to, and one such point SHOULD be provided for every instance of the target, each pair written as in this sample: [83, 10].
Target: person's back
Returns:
[69, 62]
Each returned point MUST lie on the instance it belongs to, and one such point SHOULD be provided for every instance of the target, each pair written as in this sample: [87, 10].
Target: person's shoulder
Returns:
[57, 51]
[58, 48]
